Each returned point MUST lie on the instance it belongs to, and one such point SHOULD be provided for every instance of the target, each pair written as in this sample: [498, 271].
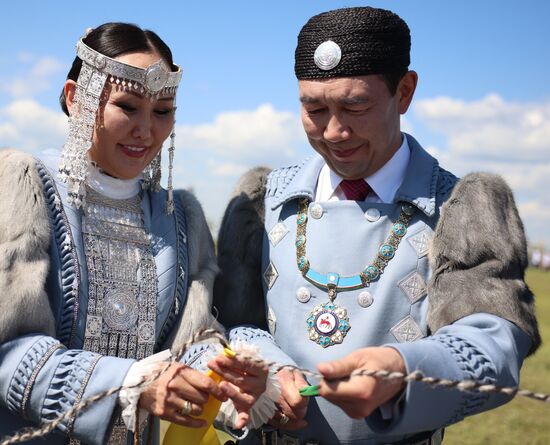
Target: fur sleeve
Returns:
[24, 244]
[479, 256]
[238, 293]
[202, 271]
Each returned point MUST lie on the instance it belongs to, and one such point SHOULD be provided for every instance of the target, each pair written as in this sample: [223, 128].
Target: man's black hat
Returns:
[352, 42]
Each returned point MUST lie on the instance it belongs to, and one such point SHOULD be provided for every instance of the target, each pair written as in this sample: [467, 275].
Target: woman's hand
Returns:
[244, 382]
[167, 396]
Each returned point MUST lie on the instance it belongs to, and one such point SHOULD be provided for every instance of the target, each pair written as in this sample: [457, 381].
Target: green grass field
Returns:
[522, 421]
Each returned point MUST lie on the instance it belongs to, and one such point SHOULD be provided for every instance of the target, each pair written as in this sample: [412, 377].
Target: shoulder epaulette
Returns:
[278, 179]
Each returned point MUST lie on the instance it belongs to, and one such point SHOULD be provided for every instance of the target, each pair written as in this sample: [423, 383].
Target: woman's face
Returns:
[131, 128]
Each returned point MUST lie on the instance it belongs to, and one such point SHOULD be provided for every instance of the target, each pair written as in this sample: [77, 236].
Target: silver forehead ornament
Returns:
[327, 55]
[150, 81]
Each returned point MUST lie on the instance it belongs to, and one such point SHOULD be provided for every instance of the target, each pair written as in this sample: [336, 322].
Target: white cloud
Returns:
[230, 169]
[534, 209]
[27, 125]
[536, 217]
[250, 134]
[508, 138]
[490, 128]
[212, 155]
[36, 78]
[25, 57]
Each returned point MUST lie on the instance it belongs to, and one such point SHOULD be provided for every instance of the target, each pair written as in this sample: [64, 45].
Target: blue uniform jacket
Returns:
[343, 237]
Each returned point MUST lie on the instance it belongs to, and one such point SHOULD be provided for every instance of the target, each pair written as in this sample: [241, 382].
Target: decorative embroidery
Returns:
[122, 278]
[277, 233]
[270, 275]
[420, 242]
[70, 268]
[413, 286]
[80, 393]
[406, 330]
[34, 375]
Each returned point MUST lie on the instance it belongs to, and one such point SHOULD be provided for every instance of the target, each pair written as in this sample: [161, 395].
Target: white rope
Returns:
[211, 334]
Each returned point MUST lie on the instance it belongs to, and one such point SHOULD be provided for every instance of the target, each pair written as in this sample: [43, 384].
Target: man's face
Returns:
[354, 122]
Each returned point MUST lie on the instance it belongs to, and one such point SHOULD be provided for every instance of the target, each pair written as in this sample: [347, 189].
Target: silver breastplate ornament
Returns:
[122, 303]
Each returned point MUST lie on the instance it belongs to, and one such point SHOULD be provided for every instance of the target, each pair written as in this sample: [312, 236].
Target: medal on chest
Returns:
[328, 323]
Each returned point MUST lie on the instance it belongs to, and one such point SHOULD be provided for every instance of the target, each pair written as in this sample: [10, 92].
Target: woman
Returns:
[100, 267]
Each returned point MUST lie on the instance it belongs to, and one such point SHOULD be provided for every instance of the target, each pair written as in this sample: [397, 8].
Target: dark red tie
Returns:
[355, 189]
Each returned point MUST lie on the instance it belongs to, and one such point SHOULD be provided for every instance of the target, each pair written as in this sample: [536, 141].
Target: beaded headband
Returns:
[97, 69]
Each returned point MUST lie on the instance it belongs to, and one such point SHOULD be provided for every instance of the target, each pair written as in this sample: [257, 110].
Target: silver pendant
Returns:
[120, 310]
[328, 324]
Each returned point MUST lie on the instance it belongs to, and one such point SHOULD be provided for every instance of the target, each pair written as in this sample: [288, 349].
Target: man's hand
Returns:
[292, 406]
[359, 396]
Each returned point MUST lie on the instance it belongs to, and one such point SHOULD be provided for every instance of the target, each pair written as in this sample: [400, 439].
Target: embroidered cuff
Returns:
[25, 375]
[68, 385]
[264, 341]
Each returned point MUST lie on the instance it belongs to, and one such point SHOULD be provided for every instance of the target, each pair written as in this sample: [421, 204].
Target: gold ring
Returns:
[186, 409]
[283, 420]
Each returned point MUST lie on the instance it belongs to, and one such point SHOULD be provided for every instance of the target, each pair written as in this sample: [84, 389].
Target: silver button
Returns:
[303, 294]
[365, 299]
[316, 211]
[372, 214]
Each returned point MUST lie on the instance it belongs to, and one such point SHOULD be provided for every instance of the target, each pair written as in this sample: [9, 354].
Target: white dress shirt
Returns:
[384, 182]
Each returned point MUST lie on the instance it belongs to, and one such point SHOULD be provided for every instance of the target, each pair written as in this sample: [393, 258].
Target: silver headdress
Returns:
[97, 69]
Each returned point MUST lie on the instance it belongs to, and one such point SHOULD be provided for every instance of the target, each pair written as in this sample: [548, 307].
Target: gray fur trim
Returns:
[241, 301]
[202, 271]
[24, 244]
[24, 256]
[479, 256]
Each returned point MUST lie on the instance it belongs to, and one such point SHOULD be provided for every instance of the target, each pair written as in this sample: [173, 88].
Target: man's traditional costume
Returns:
[436, 272]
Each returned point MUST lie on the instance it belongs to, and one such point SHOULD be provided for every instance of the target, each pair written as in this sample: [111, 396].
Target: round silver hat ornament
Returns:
[327, 55]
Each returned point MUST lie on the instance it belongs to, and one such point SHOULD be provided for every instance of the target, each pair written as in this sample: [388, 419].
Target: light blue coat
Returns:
[344, 239]
[42, 376]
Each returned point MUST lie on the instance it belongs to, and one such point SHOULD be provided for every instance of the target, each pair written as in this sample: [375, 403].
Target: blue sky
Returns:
[483, 100]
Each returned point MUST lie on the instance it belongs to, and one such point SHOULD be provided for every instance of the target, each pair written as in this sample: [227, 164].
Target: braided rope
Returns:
[33, 433]
[212, 334]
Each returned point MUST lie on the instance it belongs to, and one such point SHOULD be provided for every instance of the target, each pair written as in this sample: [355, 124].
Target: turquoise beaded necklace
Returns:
[328, 323]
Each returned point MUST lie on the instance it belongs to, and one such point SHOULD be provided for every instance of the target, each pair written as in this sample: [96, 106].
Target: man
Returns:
[326, 263]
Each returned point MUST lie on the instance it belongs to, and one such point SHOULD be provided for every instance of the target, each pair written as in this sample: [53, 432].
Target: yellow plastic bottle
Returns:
[182, 435]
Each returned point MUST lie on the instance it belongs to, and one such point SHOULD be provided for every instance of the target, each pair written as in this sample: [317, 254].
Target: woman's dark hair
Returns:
[116, 39]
